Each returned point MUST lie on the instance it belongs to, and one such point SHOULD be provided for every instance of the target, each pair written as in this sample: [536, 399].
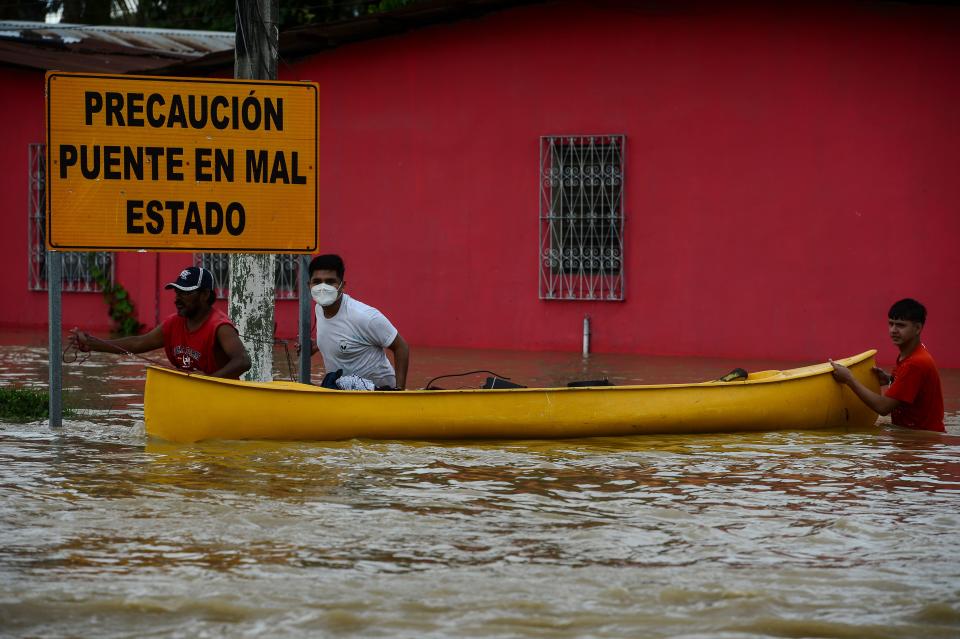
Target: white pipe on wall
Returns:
[586, 335]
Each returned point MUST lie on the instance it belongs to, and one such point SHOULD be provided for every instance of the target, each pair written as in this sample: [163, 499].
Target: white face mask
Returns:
[324, 294]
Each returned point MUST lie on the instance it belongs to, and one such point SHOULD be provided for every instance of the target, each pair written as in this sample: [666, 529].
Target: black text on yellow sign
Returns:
[181, 164]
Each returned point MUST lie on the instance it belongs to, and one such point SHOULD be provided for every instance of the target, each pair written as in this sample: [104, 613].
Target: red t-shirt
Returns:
[194, 350]
[916, 383]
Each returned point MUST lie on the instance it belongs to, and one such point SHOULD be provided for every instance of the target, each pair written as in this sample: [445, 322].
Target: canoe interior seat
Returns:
[590, 382]
[735, 375]
[498, 382]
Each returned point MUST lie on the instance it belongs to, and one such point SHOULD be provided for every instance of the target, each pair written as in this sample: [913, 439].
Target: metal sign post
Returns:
[304, 333]
[54, 263]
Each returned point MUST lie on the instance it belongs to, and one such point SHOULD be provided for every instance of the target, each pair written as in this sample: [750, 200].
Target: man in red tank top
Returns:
[198, 337]
[914, 396]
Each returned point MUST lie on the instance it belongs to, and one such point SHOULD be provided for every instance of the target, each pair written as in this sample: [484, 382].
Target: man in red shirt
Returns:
[915, 397]
[197, 337]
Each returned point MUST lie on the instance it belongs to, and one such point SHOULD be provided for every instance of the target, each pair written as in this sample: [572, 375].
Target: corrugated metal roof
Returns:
[77, 47]
[73, 47]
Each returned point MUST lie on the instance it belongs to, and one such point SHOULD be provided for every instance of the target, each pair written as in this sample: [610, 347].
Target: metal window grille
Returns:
[285, 277]
[581, 217]
[78, 268]
[219, 265]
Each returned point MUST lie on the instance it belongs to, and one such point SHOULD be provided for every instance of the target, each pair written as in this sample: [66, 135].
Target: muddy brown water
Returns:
[785, 534]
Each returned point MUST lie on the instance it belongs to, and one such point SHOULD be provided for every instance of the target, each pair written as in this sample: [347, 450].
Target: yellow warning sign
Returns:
[181, 164]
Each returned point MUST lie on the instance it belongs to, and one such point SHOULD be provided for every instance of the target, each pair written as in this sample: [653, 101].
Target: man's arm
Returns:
[877, 403]
[401, 359]
[882, 376]
[314, 349]
[132, 344]
[238, 361]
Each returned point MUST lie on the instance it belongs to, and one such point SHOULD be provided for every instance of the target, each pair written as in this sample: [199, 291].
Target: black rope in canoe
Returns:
[427, 387]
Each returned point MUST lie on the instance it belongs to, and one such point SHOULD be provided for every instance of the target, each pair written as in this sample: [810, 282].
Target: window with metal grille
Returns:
[581, 217]
[285, 275]
[79, 269]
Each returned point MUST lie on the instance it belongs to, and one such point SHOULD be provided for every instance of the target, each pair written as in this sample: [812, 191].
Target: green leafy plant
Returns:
[386, 5]
[120, 307]
[19, 404]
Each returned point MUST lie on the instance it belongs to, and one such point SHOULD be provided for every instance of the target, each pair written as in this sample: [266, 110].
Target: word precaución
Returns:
[201, 110]
[166, 163]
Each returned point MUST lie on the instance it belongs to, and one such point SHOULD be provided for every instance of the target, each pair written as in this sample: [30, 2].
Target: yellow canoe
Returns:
[185, 408]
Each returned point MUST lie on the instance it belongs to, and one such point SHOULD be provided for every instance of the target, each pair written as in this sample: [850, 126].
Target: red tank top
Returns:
[194, 350]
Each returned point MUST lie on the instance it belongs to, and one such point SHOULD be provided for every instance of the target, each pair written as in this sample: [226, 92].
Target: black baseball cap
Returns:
[193, 278]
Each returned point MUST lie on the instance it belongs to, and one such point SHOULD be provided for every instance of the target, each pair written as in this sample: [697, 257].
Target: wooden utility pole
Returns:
[252, 286]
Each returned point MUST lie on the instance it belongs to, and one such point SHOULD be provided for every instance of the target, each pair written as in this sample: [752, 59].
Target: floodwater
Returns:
[786, 534]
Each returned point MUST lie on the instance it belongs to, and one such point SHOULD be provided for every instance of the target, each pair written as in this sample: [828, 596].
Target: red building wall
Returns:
[790, 171]
[22, 122]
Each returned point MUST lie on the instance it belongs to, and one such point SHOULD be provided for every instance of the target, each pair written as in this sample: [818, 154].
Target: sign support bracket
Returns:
[303, 334]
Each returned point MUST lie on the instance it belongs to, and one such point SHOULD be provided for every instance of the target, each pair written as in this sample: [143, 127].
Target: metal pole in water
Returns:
[55, 319]
[304, 332]
[586, 335]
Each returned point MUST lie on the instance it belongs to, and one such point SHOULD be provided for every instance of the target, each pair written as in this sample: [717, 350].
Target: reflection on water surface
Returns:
[826, 534]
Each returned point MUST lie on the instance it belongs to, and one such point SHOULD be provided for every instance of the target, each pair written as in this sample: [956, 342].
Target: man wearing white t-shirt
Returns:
[352, 336]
